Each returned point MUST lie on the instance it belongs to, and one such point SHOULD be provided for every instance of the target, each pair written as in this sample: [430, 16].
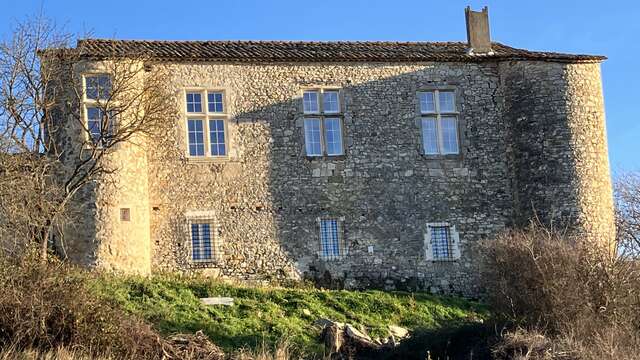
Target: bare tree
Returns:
[627, 201]
[58, 128]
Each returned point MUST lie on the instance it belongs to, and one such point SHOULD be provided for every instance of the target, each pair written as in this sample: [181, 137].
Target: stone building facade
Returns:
[353, 164]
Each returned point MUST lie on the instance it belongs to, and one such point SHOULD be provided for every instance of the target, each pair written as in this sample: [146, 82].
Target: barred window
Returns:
[439, 122]
[330, 239]
[206, 124]
[200, 241]
[441, 242]
[203, 237]
[323, 125]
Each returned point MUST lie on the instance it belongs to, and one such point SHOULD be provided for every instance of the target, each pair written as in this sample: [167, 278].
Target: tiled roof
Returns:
[302, 51]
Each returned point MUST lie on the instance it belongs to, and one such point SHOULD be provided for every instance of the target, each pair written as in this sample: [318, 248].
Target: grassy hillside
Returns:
[264, 316]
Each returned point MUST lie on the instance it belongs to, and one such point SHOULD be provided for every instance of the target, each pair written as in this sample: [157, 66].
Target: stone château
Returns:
[356, 164]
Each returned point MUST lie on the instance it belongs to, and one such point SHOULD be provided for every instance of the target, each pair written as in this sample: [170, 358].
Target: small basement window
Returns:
[442, 242]
[203, 237]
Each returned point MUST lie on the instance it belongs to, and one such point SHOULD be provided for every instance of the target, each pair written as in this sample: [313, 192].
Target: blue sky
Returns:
[594, 27]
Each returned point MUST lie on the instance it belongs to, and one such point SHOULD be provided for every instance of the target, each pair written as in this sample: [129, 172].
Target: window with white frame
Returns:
[203, 237]
[323, 127]
[439, 122]
[99, 109]
[206, 124]
[331, 238]
[441, 242]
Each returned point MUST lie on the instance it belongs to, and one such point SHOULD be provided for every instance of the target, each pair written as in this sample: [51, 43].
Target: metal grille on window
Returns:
[203, 240]
[330, 239]
[441, 242]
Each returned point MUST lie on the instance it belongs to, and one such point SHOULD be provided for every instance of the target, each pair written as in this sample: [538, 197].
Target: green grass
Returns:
[264, 316]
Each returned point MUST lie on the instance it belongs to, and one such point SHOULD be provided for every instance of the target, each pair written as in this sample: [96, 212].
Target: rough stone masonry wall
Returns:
[267, 196]
[559, 156]
[532, 137]
[96, 236]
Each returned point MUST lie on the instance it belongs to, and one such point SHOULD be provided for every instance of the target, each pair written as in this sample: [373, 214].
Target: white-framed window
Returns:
[99, 111]
[442, 242]
[203, 234]
[206, 124]
[439, 122]
[331, 242]
[323, 126]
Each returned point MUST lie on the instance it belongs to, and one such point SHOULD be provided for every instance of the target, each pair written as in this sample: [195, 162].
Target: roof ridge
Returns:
[278, 41]
[311, 51]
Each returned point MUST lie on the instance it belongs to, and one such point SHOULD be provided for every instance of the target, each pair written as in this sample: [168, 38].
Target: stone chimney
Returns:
[478, 37]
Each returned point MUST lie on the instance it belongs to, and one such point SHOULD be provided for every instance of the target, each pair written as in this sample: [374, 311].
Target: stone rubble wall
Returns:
[559, 153]
[530, 133]
[97, 237]
[268, 195]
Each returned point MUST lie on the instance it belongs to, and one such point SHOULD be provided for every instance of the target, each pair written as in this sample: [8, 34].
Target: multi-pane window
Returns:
[206, 124]
[100, 122]
[330, 239]
[322, 123]
[98, 87]
[442, 242]
[439, 122]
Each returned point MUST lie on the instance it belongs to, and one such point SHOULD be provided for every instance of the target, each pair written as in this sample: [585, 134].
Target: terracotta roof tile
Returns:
[302, 51]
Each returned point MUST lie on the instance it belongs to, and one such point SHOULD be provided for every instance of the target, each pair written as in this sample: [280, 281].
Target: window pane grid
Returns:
[333, 134]
[98, 87]
[312, 134]
[329, 238]
[196, 137]
[100, 128]
[441, 242]
[310, 102]
[427, 105]
[215, 102]
[449, 135]
[194, 102]
[216, 137]
[430, 135]
[330, 102]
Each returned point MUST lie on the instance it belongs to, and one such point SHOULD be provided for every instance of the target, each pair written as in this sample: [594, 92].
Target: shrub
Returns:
[45, 307]
[548, 284]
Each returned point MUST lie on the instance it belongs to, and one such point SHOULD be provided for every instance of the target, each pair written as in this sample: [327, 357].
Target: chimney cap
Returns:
[478, 35]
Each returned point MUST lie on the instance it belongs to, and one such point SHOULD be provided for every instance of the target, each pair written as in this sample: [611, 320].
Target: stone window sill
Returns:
[453, 157]
[207, 159]
[326, 158]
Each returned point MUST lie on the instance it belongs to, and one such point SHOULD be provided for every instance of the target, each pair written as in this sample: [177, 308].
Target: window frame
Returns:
[203, 217]
[322, 115]
[206, 116]
[453, 248]
[342, 249]
[438, 114]
[101, 105]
